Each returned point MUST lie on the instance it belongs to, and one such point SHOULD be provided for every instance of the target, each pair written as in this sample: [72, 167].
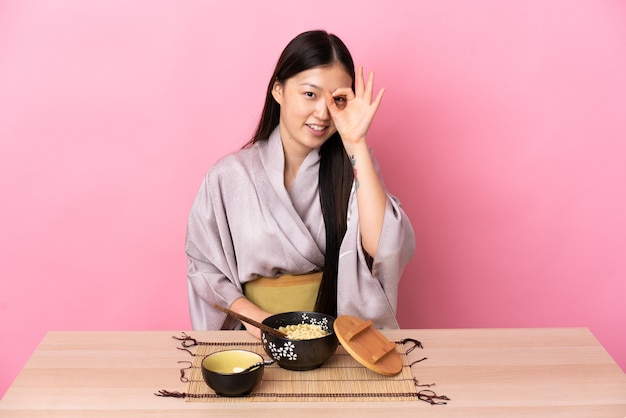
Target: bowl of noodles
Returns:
[310, 339]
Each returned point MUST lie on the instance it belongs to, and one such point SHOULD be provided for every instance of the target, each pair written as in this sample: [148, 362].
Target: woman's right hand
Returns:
[244, 307]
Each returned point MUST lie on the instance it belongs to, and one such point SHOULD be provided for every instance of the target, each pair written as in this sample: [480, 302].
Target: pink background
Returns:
[503, 132]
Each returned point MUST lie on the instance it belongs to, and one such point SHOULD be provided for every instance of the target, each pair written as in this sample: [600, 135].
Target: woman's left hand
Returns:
[353, 112]
[352, 117]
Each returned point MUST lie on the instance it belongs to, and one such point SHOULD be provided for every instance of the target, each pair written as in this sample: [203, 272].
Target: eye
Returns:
[309, 94]
[340, 101]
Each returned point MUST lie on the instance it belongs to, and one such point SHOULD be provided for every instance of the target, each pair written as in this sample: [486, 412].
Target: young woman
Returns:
[299, 219]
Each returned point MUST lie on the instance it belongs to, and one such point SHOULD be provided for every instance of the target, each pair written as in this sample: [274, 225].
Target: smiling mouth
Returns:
[318, 128]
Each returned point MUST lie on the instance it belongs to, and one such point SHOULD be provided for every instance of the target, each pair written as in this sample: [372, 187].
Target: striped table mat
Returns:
[341, 378]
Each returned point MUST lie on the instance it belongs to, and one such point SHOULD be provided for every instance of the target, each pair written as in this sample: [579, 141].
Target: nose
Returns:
[321, 110]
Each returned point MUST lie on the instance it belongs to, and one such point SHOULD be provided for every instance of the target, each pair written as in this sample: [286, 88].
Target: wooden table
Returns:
[560, 372]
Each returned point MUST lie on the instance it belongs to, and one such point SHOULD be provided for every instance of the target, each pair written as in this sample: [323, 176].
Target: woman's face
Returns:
[305, 122]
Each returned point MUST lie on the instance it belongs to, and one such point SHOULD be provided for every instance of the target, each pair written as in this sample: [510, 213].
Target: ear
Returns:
[277, 92]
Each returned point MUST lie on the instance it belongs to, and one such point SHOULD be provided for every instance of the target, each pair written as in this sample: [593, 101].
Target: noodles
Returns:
[303, 331]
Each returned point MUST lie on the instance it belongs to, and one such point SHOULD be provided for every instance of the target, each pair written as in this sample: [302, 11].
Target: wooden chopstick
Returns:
[250, 321]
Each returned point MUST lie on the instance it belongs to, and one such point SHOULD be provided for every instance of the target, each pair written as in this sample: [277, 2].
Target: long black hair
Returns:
[309, 50]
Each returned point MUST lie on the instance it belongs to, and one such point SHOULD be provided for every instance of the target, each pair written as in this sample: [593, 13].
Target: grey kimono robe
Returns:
[244, 224]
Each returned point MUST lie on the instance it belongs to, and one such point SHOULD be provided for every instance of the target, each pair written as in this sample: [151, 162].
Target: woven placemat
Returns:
[341, 378]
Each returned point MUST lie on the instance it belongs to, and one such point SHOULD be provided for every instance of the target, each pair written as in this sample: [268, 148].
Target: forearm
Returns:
[244, 307]
[352, 121]
[371, 197]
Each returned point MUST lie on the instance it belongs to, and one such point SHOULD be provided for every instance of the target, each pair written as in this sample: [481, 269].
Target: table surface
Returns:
[560, 372]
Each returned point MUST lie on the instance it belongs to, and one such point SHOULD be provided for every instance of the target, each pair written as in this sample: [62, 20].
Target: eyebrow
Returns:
[311, 85]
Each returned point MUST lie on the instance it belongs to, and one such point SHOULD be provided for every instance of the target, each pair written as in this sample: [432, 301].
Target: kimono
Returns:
[244, 224]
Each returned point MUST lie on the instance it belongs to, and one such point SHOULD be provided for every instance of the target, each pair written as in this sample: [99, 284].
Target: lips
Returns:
[317, 128]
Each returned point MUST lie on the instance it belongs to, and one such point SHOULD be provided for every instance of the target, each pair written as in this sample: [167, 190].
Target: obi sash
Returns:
[286, 293]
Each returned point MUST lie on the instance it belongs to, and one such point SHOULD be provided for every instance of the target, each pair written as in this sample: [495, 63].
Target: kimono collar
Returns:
[273, 158]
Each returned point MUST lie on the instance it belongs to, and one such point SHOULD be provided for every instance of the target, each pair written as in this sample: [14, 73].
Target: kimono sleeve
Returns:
[211, 264]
